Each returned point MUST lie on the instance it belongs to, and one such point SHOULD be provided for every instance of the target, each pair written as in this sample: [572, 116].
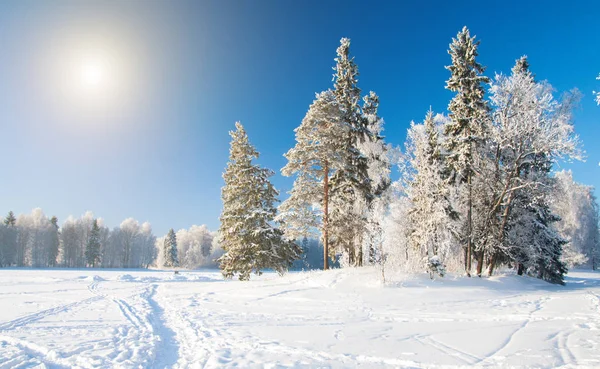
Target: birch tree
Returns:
[530, 130]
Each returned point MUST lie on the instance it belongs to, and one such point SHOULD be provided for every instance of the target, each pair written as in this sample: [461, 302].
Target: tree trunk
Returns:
[480, 258]
[520, 269]
[359, 260]
[502, 228]
[491, 265]
[382, 256]
[326, 217]
[469, 226]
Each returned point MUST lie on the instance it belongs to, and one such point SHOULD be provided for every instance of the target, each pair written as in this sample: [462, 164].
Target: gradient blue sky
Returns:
[185, 71]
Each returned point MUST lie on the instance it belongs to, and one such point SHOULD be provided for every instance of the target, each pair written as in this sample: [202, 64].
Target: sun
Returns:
[92, 74]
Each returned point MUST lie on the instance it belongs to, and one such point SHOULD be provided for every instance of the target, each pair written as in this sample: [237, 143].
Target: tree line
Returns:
[35, 240]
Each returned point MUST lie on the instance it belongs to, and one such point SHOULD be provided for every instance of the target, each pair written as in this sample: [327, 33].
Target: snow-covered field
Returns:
[338, 319]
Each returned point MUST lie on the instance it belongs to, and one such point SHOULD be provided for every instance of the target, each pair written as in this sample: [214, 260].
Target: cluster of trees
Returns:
[342, 169]
[35, 240]
[476, 189]
[577, 208]
[193, 248]
[478, 182]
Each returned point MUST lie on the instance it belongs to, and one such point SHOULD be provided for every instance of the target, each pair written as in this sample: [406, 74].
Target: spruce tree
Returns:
[92, 249]
[350, 186]
[250, 241]
[547, 243]
[170, 250]
[467, 129]
[11, 246]
[10, 219]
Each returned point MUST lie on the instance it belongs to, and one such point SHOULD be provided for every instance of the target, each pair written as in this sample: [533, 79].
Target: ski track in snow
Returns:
[334, 319]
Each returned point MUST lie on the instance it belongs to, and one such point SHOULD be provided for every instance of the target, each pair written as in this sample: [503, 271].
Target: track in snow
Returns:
[340, 318]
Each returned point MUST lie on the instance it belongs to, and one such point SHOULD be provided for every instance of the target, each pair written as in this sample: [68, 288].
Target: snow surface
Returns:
[337, 319]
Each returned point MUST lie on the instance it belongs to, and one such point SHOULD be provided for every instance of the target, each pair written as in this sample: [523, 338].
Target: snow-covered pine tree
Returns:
[467, 129]
[373, 147]
[350, 186]
[54, 242]
[92, 249]
[431, 214]
[250, 241]
[171, 259]
[546, 244]
[316, 157]
[10, 244]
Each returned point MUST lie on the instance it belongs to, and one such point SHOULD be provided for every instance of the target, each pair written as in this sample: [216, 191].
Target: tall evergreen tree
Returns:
[547, 244]
[350, 186]
[92, 249]
[431, 213]
[316, 157]
[171, 258]
[374, 148]
[467, 129]
[250, 241]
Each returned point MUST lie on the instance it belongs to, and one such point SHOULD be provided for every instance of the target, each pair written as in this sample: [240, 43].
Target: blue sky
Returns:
[153, 145]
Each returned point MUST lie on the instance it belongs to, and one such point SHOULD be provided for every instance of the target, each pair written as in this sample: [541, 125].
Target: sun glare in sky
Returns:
[94, 81]
[92, 74]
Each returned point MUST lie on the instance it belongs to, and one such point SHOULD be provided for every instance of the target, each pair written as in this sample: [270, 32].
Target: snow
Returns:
[334, 319]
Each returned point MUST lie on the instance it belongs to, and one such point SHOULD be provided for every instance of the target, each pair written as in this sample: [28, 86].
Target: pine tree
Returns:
[546, 243]
[350, 185]
[250, 241]
[10, 219]
[170, 250]
[54, 242]
[431, 214]
[8, 241]
[467, 129]
[378, 171]
[317, 155]
[92, 249]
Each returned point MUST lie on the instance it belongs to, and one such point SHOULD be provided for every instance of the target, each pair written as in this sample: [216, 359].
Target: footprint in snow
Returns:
[339, 335]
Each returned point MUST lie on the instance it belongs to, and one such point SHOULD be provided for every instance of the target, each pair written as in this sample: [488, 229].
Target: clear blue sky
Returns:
[152, 142]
